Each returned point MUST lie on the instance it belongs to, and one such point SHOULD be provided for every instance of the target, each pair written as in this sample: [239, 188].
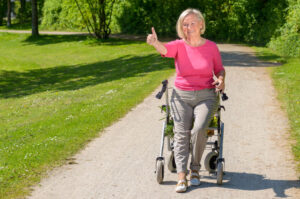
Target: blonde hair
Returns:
[185, 13]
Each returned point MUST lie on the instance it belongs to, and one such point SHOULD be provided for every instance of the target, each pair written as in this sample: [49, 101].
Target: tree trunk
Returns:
[1, 11]
[8, 13]
[35, 28]
[101, 11]
[22, 11]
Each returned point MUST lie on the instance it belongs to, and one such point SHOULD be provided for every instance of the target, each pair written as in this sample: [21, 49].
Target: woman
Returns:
[194, 98]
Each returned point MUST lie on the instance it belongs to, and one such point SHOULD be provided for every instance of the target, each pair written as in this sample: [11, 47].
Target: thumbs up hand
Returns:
[152, 38]
[153, 41]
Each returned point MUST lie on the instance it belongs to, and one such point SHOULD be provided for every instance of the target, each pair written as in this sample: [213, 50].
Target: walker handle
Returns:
[163, 89]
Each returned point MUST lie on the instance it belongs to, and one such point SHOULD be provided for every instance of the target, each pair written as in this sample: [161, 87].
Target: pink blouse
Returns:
[195, 66]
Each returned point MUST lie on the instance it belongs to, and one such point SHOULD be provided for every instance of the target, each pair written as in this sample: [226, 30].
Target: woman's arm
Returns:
[153, 41]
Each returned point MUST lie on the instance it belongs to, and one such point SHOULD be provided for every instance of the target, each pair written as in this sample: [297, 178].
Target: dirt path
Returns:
[120, 36]
[120, 164]
[44, 32]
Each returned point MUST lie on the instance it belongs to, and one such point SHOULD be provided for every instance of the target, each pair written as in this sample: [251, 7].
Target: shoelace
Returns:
[181, 182]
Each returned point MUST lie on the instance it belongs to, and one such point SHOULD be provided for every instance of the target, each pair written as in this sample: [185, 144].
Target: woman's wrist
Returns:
[156, 44]
[160, 47]
[221, 76]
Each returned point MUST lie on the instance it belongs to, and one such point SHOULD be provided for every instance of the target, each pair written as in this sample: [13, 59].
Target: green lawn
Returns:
[58, 92]
[286, 79]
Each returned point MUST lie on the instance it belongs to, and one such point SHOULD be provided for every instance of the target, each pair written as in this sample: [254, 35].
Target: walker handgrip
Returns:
[163, 89]
[159, 95]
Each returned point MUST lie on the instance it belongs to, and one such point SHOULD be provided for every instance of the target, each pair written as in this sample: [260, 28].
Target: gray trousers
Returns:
[192, 112]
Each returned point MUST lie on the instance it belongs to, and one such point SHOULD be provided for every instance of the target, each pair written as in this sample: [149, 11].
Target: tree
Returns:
[97, 16]
[22, 11]
[2, 10]
[8, 13]
[35, 28]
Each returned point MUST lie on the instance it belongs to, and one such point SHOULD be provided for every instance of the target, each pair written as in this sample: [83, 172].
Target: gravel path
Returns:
[120, 163]
[44, 32]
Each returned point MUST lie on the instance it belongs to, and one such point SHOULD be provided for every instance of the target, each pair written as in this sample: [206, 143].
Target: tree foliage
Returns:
[61, 15]
[273, 22]
[287, 43]
[92, 15]
[252, 21]
[24, 12]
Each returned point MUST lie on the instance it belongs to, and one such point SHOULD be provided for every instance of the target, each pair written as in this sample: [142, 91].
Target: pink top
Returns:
[195, 66]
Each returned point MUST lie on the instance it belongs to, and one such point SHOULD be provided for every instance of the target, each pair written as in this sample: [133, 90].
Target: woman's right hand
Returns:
[153, 41]
[152, 38]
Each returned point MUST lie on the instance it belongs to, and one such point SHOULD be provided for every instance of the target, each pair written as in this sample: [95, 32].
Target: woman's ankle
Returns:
[181, 176]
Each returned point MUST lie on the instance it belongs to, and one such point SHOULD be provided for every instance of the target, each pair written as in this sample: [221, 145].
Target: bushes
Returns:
[272, 22]
[248, 21]
[287, 43]
[62, 15]
[138, 16]
[65, 15]
[51, 12]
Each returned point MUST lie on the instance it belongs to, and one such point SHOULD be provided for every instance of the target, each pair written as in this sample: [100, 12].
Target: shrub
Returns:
[288, 41]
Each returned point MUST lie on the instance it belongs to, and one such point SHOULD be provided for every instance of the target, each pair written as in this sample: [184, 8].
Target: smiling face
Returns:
[191, 26]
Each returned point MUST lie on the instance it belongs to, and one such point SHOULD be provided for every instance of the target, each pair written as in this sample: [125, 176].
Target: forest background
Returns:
[272, 23]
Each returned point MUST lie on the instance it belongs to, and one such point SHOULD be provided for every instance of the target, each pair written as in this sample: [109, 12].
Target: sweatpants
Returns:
[192, 112]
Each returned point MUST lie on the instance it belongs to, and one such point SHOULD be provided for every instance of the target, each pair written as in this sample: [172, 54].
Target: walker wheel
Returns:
[210, 161]
[159, 171]
[220, 173]
[171, 163]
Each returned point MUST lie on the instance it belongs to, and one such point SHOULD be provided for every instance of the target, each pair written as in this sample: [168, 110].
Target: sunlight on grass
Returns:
[58, 92]
[287, 79]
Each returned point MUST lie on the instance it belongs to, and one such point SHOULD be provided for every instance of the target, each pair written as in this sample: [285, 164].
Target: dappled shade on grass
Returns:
[18, 84]
[54, 39]
[58, 93]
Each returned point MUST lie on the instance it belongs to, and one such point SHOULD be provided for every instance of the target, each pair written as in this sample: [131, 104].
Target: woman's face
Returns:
[191, 26]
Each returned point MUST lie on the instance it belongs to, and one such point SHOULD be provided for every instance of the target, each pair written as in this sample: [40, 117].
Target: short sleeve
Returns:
[172, 48]
[218, 66]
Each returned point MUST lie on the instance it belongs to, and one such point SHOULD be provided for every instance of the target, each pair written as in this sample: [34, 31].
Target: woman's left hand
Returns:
[220, 85]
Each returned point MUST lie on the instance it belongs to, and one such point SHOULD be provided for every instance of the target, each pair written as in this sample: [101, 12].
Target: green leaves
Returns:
[169, 129]
[288, 42]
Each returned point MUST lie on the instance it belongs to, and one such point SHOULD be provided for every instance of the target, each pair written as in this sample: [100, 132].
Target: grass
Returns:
[286, 79]
[58, 92]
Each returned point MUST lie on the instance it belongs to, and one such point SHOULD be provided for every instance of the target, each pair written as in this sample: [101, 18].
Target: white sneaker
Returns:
[195, 178]
[181, 186]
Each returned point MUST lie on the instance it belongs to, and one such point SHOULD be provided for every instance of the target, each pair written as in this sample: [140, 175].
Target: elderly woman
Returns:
[194, 98]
